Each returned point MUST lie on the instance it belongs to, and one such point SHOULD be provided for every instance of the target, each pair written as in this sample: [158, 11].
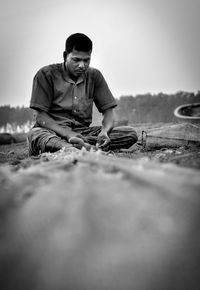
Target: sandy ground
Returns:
[91, 221]
[186, 156]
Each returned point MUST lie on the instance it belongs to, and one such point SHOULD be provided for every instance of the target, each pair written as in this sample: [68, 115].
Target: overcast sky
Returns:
[140, 46]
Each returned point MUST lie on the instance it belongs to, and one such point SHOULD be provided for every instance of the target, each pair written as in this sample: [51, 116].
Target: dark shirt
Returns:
[68, 102]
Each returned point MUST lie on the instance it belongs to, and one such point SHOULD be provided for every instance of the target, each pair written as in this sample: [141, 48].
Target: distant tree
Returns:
[125, 108]
[153, 108]
[15, 115]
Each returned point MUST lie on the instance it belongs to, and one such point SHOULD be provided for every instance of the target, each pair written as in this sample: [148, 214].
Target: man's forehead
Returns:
[80, 54]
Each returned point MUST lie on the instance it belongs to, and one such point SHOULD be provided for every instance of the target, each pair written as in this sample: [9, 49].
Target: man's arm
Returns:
[108, 120]
[45, 121]
[107, 124]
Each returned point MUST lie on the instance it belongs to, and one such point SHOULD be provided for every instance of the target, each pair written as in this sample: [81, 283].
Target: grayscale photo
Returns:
[100, 145]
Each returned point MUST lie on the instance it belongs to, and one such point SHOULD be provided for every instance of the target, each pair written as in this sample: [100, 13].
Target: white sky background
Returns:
[140, 46]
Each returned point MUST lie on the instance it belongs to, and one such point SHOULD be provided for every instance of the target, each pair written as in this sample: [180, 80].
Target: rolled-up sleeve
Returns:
[103, 97]
[42, 92]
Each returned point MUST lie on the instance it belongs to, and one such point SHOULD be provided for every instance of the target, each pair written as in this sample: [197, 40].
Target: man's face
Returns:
[78, 62]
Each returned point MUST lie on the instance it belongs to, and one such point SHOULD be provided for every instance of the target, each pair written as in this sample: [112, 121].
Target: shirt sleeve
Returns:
[42, 91]
[103, 97]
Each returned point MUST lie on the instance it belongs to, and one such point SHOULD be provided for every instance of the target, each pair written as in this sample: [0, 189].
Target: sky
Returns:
[140, 46]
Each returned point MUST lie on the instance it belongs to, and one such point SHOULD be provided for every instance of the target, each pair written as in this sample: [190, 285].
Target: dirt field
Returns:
[183, 155]
[91, 221]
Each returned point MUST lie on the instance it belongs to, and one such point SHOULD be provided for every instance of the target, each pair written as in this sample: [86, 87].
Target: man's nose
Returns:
[81, 64]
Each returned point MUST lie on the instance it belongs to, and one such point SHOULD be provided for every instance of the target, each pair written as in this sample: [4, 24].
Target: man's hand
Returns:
[103, 140]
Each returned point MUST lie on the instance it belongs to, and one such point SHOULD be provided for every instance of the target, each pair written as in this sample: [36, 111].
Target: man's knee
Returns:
[33, 133]
[55, 143]
[127, 131]
[123, 136]
[132, 135]
[37, 140]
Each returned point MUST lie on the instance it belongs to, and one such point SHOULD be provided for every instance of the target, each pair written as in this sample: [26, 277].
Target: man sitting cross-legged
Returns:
[63, 96]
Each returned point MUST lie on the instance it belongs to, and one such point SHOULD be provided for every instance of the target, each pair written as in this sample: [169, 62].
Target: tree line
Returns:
[15, 115]
[144, 108]
[153, 108]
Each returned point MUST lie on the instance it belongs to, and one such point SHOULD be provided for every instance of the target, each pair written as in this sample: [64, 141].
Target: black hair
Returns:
[78, 41]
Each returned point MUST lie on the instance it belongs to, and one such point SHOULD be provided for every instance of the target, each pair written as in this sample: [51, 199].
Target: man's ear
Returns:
[64, 55]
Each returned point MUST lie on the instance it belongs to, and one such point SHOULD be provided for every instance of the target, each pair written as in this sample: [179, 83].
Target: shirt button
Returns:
[75, 98]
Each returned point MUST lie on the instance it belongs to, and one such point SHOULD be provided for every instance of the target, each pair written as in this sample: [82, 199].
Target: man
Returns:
[62, 98]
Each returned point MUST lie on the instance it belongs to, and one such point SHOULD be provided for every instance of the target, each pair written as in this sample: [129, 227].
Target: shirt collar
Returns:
[67, 78]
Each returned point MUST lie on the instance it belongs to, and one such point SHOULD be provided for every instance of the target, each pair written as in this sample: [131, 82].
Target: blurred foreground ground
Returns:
[96, 222]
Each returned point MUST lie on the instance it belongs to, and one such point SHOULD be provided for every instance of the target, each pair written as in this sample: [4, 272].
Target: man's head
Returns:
[79, 42]
[78, 49]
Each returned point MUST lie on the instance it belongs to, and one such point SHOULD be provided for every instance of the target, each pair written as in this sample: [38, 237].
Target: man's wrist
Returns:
[104, 130]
